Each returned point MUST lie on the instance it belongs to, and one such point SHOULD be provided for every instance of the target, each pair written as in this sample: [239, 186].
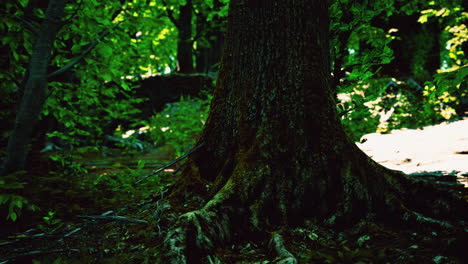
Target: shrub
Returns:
[179, 124]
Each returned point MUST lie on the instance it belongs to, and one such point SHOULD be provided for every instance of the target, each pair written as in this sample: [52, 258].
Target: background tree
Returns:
[274, 152]
[34, 90]
[204, 40]
[184, 45]
[373, 63]
[77, 98]
[210, 28]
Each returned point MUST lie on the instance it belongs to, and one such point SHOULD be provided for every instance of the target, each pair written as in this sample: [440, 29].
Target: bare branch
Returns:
[170, 15]
[170, 163]
[115, 218]
[82, 55]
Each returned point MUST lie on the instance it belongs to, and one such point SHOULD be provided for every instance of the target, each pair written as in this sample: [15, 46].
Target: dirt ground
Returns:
[440, 149]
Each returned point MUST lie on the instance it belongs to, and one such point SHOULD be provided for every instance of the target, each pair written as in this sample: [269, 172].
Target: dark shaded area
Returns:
[416, 49]
[184, 45]
[164, 89]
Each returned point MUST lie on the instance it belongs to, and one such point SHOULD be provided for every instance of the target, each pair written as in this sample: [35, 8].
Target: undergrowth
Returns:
[386, 104]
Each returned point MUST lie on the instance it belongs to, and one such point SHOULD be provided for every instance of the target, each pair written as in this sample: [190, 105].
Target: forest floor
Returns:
[102, 216]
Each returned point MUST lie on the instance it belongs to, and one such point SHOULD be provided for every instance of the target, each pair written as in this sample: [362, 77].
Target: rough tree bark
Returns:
[34, 91]
[274, 150]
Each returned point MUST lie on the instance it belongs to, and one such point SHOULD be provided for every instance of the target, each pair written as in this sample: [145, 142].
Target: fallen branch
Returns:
[115, 218]
[170, 163]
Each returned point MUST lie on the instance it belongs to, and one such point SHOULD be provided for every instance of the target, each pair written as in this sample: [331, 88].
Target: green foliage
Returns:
[83, 100]
[16, 43]
[359, 50]
[359, 123]
[119, 185]
[367, 103]
[358, 46]
[70, 188]
[114, 43]
[446, 91]
[105, 188]
[380, 107]
[453, 18]
[179, 124]
[67, 165]
[86, 113]
[15, 205]
[51, 223]
[9, 185]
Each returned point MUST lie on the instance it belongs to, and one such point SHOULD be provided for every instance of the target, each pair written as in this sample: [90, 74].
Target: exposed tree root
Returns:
[195, 236]
[370, 192]
[422, 203]
[284, 256]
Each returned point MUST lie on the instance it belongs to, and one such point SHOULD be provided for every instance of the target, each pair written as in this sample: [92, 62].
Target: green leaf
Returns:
[12, 215]
[75, 49]
[18, 203]
[23, 3]
[422, 19]
[105, 51]
[313, 236]
[106, 77]
[125, 86]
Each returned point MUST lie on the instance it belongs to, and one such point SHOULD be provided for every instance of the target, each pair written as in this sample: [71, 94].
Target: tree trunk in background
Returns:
[417, 49]
[275, 153]
[34, 92]
[209, 56]
[184, 46]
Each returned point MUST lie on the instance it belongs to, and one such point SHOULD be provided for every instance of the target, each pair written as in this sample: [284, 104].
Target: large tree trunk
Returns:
[33, 96]
[275, 153]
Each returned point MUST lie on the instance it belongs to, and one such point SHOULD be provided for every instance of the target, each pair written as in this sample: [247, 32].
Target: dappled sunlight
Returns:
[439, 148]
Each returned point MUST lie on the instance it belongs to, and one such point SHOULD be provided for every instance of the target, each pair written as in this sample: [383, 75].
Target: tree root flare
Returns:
[284, 256]
[418, 218]
[412, 217]
[195, 235]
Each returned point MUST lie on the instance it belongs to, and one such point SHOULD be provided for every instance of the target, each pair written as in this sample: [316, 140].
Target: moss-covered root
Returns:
[277, 245]
[409, 216]
[195, 235]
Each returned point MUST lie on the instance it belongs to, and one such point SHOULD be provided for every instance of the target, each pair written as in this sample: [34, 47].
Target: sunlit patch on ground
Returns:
[439, 148]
